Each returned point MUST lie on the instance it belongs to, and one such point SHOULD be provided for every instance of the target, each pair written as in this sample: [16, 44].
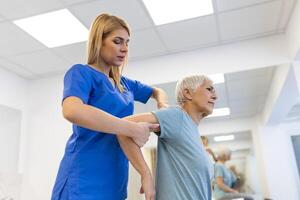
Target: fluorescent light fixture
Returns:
[223, 138]
[217, 78]
[220, 112]
[54, 29]
[167, 11]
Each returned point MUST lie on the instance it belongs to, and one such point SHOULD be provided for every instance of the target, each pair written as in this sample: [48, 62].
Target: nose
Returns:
[214, 96]
[124, 47]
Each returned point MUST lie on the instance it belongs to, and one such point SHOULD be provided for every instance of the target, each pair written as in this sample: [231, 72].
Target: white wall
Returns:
[13, 90]
[48, 133]
[279, 162]
[10, 129]
[252, 175]
[13, 131]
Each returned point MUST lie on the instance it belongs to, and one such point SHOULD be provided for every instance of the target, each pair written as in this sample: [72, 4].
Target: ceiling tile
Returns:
[74, 53]
[72, 2]
[15, 9]
[243, 111]
[253, 102]
[225, 5]
[254, 87]
[15, 41]
[287, 8]
[222, 100]
[145, 43]
[42, 62]
[1, 18]
[266, 72]
[189, 34]
[15, 68]
[249, 21]
[131, 10]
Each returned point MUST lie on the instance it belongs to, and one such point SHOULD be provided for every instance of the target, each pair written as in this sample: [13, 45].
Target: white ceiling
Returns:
[243, 92]
[233, 20]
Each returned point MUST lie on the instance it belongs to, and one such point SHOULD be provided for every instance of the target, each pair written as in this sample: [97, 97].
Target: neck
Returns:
[221, 161]
[193, 113]
[105, 69]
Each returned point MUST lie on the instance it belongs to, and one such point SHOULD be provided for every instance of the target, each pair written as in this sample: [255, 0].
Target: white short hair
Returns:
[223, 152]
[190, 83]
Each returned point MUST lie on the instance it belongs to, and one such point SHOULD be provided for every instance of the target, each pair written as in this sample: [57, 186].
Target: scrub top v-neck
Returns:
[94, 166]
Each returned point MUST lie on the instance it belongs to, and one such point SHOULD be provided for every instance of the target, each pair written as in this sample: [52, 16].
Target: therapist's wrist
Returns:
[162, 104]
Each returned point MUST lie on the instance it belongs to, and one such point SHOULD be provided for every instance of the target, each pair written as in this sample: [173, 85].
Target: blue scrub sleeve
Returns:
[141, 92]
[78, 83]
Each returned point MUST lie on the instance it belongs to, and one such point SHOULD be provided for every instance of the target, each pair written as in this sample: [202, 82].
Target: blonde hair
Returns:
[101, 27]
[189, 83]
[204, 140]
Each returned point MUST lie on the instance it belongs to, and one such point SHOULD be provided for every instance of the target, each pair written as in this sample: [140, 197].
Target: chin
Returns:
[117, 64]
[209, 111]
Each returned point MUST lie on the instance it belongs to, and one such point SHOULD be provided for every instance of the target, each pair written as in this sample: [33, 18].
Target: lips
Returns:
[121, 58]
[212, 103]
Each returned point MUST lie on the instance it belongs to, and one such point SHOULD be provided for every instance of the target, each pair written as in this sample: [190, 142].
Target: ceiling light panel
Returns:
[217, 78]
[54, 29]
[223, 138]
[167, 11]
[219, 112]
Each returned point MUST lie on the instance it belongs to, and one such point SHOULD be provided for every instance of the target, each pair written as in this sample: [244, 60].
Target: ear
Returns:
[187, 94]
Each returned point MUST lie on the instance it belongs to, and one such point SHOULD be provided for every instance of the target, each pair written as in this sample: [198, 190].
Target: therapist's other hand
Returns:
[148, 186]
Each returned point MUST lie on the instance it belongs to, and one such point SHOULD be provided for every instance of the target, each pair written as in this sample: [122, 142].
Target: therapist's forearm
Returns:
[134, 155]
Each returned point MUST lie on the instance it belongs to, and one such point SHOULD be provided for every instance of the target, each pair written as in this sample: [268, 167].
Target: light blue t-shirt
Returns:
[183, 167]
[222, 171]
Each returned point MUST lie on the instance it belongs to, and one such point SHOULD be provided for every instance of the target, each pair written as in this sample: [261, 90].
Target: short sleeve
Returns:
[78, 83]
[141, 92]
[219, 171]
[170, 122]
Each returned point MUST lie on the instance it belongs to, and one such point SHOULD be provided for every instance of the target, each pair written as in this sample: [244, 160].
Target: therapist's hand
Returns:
[143, 133]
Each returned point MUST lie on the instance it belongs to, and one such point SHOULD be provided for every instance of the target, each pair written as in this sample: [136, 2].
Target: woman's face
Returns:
[204, 98]
[114, 48]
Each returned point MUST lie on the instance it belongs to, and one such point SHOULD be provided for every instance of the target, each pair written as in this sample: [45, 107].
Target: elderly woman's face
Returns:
[204, 98]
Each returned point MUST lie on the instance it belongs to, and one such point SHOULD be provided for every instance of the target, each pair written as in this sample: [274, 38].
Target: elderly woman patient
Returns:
[184, 170]
[225, 179]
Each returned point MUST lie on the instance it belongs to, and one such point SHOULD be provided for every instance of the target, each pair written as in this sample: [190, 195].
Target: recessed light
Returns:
[167, 11]
[217, 112]
[54, 29]
[217, 78]
[223, 138]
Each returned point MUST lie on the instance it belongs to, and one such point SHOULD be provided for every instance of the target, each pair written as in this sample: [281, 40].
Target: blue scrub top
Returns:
[94, 166]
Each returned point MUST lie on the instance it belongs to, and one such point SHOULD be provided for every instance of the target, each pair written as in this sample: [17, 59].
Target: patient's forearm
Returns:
[224, 187]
